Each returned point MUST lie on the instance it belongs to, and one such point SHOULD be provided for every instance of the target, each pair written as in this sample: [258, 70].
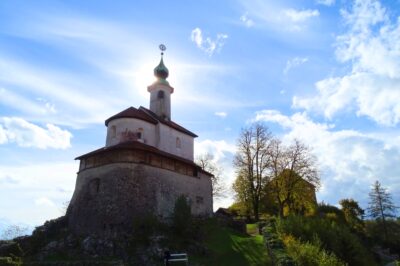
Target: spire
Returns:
[161, 71]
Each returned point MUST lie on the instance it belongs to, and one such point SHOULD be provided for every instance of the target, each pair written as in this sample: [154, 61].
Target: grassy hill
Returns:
[229, 247]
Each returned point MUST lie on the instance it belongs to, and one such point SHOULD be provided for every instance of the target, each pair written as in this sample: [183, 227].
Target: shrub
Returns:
[182, 216]
[326, 234]
[144, 227]
[308, 254]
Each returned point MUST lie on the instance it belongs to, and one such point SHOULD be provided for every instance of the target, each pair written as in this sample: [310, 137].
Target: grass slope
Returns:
[228, 247]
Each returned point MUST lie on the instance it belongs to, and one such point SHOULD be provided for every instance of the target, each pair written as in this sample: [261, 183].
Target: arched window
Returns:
[178, 143]
[160, 95]
[139, 133]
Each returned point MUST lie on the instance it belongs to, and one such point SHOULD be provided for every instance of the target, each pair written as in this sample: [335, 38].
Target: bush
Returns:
[308, 254]
[182, 216]
[144, 227]
[326, 234]
[8, 261]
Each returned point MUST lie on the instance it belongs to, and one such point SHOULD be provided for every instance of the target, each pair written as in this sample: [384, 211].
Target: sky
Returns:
[323, 71]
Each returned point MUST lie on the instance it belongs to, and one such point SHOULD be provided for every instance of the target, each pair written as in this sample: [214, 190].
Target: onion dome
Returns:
[161, 71]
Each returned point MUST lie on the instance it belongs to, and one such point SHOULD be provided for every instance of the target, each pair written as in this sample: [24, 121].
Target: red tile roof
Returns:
[132, 112]
[167, 122]
[136, 145]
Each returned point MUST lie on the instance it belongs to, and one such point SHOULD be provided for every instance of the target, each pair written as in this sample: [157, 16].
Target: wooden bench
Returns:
[177, 257]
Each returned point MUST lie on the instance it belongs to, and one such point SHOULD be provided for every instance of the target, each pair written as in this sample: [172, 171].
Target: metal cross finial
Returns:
[162, 48]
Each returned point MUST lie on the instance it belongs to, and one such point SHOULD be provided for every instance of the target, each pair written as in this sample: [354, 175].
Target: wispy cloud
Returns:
[248, 22]
[326, 2]
[207, 44]
[25, 134]
[276, 15]
[294, 62]
[300, 15]
[221, 114]
[371, 87]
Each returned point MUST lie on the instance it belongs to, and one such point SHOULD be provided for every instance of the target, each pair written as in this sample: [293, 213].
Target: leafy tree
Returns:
[302, 199]
[381, 205]
[207, 163]
[353, 213]
[290, 168]
[251, 161]
[243, 195]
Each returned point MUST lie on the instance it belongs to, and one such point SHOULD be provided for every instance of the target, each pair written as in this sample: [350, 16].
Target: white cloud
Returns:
[223, 153]
[277, 16]
[294, 62]
[208, 45]
[372, 88]
[246, 20]
[221, 114]
[25, 134]
[34, 195]
[326, 2]
[300, 15]
[350, 161]
[43, 201]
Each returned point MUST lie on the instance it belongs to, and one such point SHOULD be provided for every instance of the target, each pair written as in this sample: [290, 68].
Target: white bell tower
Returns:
[160, 90]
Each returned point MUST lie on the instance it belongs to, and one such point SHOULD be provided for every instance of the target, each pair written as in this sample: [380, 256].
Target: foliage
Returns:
[275, 245]
[327, 234]
[299, 199]
[251, 163]
[310, 254]
[381, 205]
[144, 227]
[294, 170]
[373, 230]
[243, 202]
[182, 216]
[207, 163]
[8, 261]
[353, 214]
[331, 212]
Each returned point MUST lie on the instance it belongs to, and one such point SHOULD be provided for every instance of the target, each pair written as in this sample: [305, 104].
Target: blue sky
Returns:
[324, 71]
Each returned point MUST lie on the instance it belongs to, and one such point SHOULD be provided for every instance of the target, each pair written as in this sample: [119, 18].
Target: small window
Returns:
[178, 143]
[199, 200]
[113, 131]
[160, 95]
[138, 135]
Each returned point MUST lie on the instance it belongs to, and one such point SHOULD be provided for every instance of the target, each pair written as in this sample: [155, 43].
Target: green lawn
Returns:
[228, 247]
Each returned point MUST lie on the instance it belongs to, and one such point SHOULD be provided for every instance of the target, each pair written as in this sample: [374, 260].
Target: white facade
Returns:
[160, 99]
[161, 136]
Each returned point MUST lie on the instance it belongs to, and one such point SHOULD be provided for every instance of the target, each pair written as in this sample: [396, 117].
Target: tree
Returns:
[207, 163]
[298, 166]
[302, 198]
[243, 195]
[353, 213]
[251, 162]
[381, 205]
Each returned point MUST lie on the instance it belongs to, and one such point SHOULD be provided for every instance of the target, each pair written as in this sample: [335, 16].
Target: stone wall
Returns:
[109, 196]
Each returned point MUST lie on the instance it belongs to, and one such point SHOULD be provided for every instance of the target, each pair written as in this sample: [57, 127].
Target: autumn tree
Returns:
[353, 213]
[251, 162]
[207, 163]
[293, 170]
[302, 198]
[381, 206]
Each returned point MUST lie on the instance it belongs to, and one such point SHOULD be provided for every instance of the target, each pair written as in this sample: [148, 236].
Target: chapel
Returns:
[145, 165]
